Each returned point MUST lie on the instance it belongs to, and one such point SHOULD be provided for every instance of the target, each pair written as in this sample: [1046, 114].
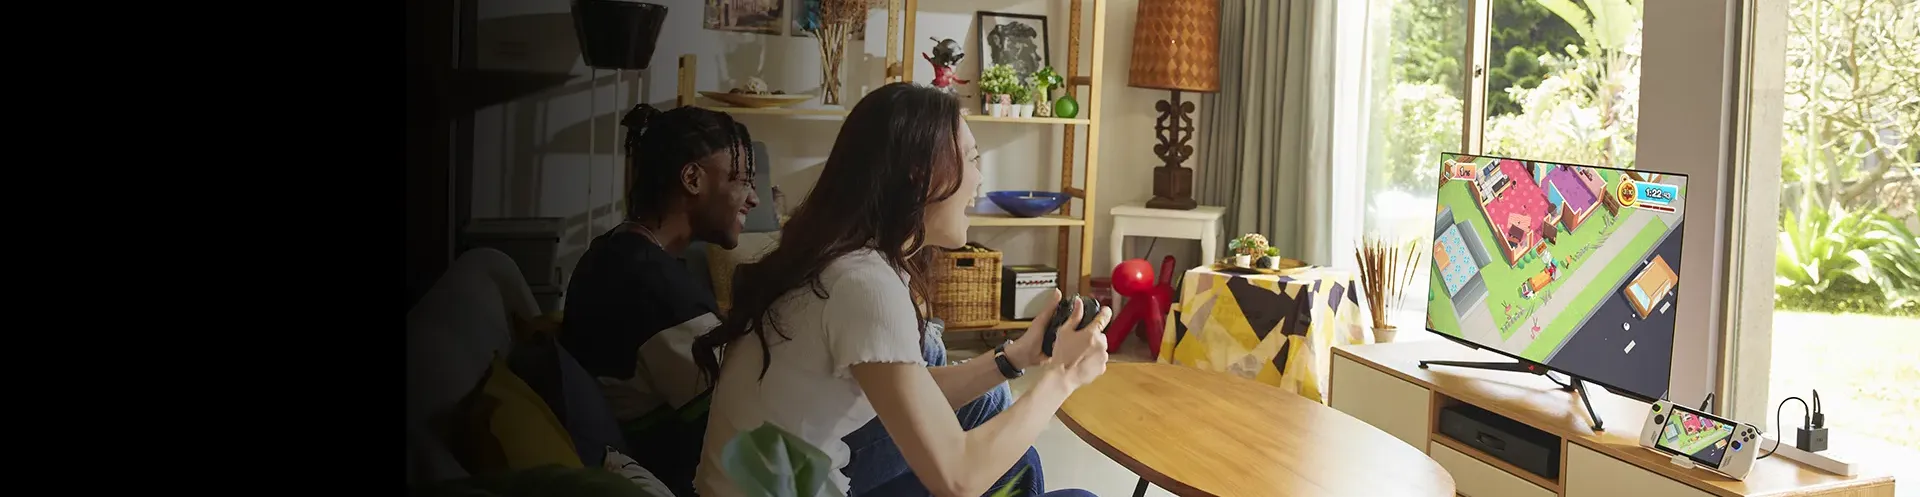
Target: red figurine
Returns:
[946, 55]
[1146, 300]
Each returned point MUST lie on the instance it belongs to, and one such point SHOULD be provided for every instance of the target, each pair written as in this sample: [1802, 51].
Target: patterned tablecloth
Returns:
[1275, 329]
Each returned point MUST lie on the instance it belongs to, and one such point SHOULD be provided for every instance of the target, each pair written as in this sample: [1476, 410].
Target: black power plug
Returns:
[1813, 437]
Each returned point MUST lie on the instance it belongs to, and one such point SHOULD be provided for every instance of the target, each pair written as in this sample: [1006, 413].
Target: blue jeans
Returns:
[877, 468]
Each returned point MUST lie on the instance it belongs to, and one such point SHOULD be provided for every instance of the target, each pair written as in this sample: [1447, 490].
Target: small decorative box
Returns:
[1024, 289]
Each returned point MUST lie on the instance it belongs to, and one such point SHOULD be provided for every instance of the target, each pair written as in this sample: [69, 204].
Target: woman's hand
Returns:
[1025, 351]
[1081, 355]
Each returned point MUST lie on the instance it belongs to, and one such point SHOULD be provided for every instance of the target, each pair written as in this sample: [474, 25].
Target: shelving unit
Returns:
[1084, 83]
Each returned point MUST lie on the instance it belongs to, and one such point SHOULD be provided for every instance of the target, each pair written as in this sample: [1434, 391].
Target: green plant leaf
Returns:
[1010, 490]
[770, 462]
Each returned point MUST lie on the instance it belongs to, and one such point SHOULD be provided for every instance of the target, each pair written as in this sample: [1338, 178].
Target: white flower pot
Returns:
[1243, 260]
[1384, 335]
[1026, 110]
[993, 109]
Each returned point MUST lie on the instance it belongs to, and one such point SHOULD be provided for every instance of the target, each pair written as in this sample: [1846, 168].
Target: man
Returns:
[633, 308]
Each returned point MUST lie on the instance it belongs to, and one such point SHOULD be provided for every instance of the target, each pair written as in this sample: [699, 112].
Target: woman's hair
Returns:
[897, 152]
[660, 143]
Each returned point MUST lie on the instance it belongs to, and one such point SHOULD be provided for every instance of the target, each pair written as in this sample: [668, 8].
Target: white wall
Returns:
[1686, 88]
[533, 156]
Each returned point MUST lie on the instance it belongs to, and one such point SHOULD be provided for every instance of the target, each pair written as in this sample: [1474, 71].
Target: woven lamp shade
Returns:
[1176, 46]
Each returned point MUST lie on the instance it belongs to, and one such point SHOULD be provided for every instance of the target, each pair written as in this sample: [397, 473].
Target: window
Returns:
[1558, 81]
[1846, 314]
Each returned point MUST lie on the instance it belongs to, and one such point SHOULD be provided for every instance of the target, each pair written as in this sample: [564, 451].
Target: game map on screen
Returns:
[1570, 266]
[1698, 436]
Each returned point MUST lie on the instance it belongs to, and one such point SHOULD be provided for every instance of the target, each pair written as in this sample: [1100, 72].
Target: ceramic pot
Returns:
[1026, 110]
[993, 109]
[1384, 335]
[1243, 260]
[616, 34]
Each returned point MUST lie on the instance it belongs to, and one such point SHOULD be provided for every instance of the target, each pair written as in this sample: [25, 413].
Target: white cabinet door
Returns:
[1382, 400]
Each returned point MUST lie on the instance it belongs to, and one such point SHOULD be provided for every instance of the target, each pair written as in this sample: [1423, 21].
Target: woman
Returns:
[825, 331]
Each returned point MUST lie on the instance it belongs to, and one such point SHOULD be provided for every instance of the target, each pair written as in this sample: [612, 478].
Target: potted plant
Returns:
[1386, 271]
[1022, 102]
[770, 462]
[996, 86]
[1246, 247]
[1044, 81]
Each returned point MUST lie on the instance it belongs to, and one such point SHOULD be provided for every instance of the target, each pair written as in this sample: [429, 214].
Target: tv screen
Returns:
[1568, 266]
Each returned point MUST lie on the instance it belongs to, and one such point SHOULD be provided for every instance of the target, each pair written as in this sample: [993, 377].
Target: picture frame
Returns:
[745, 16]
[1017, 40]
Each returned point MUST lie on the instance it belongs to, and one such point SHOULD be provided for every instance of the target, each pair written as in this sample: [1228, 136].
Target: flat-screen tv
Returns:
[1571, 267]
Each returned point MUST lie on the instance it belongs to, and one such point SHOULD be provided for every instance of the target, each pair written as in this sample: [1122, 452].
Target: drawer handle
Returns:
[1491, 441]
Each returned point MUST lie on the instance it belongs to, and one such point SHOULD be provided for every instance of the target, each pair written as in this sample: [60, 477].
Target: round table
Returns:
[1197, 432]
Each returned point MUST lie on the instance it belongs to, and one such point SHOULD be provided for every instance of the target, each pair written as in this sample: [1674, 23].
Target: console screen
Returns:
[1699, 437]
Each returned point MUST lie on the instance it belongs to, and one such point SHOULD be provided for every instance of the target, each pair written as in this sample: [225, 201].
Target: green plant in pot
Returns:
[1044, 81]
[996, 85]
[770, 462]
[1022, 102]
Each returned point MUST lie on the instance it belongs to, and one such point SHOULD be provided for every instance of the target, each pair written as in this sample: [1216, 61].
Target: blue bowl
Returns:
[1022, 203]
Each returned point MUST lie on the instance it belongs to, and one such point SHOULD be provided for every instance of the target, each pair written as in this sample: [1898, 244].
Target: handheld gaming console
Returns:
[1695, 438]
[1088, 309]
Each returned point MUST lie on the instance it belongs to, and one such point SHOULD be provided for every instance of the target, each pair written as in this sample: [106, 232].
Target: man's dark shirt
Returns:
[625, 290]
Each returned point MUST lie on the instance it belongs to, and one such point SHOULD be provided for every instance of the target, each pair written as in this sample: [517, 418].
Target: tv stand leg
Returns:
[1564, 386]
[1581, 386]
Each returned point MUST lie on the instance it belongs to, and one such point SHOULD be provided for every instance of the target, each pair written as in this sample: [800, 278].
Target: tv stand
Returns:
[1385, 385]
[1572, 385]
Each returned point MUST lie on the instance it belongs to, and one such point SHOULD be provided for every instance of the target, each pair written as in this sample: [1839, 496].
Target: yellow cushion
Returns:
[510, 428]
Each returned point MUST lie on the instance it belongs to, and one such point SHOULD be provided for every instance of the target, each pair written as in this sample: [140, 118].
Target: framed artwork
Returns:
[806, 13]
[1017, 40]
[745, 16]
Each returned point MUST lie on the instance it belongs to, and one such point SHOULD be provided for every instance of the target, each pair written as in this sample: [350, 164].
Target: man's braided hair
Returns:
[660, 143]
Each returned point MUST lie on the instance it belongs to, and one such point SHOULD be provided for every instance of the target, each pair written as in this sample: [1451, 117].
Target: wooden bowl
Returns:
[753, 101]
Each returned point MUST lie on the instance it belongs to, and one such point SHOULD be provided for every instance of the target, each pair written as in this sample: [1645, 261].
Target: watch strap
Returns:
[1006, 365]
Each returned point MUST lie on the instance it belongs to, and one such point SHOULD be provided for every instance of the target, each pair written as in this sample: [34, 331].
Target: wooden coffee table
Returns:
[1197, 432]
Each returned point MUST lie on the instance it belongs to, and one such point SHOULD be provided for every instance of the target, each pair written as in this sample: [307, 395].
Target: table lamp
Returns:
[1176, 46]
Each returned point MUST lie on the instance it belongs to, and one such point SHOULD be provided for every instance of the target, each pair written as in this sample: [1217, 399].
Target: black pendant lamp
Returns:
[617, 34]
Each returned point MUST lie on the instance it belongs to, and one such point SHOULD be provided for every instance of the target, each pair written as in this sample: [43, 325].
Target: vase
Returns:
[1066, 107]
[1243, 260]
[833, 50]
[1384, 335]
[616, 34]
[1043, 108]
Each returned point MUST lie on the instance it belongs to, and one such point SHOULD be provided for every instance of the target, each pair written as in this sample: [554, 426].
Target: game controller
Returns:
[1737, 457]
[1088, 309]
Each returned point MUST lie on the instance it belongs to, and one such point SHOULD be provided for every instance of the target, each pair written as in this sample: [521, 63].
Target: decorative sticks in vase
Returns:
[833, 28]
[1386, 270]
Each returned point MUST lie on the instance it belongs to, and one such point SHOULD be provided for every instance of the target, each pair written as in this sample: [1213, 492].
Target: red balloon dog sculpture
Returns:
[1146, 301]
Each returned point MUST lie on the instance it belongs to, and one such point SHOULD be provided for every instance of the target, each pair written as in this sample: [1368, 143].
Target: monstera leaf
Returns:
[770, 462]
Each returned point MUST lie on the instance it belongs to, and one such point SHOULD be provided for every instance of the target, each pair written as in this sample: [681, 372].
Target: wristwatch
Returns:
[1006, 365]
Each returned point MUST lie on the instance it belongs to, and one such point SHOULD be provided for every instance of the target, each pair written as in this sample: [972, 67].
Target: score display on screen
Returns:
[1573, 267]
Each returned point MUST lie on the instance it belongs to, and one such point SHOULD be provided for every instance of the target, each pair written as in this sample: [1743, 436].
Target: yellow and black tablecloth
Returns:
[1275, 329]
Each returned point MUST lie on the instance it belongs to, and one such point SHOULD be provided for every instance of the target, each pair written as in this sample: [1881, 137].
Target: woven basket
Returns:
[966, 291]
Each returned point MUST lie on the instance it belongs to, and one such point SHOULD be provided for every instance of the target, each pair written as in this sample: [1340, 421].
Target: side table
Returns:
[1135, 219]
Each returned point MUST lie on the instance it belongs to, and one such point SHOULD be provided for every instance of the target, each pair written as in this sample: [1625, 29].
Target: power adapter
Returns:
[1813, 437]
[1813, 440]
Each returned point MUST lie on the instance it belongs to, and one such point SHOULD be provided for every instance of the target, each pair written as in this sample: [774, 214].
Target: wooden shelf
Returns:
[842, 113]
[779, 111]
[1005, 220]
[1079, 171]
[1027, 120]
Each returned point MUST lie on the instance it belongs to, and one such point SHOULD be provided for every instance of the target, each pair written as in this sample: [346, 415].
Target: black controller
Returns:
[1088, 309]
